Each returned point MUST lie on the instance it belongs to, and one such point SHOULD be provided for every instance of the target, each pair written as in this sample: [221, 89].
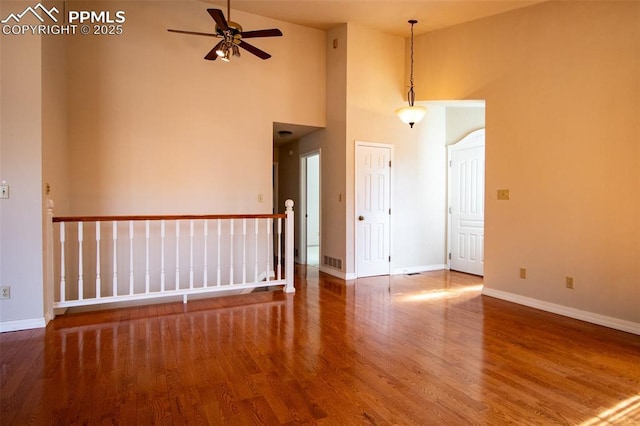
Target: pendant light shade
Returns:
[411, 114]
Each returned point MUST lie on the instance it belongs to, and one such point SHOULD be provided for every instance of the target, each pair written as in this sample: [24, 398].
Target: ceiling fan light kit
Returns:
[232, 36]
[411, 114]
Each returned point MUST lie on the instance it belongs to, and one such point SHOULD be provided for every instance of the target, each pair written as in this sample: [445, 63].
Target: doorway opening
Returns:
[466, 204]
[463, 127]
[310, 208]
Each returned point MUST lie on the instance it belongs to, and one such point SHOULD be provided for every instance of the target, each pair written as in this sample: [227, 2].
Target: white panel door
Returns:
[467, 204]
[373, 171]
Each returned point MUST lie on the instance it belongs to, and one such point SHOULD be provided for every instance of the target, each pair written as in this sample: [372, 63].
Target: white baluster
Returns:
[115, 258]
[279, 255]
[255, 272]
[191, 254]
[244, 251]
[63, 281]
[231, 252]
[219, 238]
[147, 277]
[98, 276]
[177, 254]
[162, 235]
[269, 244]
[80, 262]
[131, 257]
[206, 238]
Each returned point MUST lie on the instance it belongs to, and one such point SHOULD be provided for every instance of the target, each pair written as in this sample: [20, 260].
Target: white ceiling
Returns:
[389, 16]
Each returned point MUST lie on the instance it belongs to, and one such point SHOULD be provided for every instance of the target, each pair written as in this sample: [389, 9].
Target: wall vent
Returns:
[333, 262]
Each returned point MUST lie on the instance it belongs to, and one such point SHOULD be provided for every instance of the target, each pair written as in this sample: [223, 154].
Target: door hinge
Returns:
[389, 163]
[389, 258]
[450, 163]
[389, 211]
[449, 210]
[449, 256]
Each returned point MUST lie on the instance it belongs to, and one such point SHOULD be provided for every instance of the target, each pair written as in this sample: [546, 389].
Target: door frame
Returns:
[302, 252]
[355, 199]
[471, 140]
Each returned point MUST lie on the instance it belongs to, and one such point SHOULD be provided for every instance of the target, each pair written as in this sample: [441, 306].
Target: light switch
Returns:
[4, 191]
[503, 194]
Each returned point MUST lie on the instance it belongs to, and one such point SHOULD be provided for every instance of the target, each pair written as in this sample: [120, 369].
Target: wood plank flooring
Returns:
[423, 349]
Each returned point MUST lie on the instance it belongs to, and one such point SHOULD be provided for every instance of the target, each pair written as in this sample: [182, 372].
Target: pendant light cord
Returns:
[412, 114]
[411, 96]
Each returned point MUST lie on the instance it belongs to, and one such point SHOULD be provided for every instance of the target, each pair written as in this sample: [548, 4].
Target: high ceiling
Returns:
[389, 16]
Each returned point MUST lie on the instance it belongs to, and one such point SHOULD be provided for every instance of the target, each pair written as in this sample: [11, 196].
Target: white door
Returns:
[373, 172]
[466, 204]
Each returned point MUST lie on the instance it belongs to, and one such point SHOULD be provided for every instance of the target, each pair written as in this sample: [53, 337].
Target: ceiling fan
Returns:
[232, 37]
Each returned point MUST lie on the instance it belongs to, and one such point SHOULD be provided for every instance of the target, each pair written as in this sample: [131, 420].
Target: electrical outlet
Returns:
[260, 198]
[5, 292]
[523, 273]
[569, 282]
[503, 194]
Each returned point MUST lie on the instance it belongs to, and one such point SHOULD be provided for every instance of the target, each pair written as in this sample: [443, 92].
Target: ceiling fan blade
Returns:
[274, 32]
[194, 33]
[212, 55]
[252, 49]
[218, 16]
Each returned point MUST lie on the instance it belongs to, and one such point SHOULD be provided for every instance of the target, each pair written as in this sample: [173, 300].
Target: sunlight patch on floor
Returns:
[440, 294]
[626, 412]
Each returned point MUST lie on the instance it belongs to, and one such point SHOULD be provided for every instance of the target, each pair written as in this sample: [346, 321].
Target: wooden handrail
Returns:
[166, 217]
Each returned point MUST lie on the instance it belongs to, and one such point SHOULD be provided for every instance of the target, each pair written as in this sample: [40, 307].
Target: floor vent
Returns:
[333, 262]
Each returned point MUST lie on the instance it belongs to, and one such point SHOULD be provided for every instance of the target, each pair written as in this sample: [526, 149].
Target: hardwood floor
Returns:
[407, 350]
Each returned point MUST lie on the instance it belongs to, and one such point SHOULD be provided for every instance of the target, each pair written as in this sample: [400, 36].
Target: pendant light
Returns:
[411, 114]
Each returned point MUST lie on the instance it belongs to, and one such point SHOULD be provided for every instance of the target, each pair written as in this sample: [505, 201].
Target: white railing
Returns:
[106, 259]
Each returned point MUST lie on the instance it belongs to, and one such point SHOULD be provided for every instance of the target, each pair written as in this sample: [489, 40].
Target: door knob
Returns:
[361, 218]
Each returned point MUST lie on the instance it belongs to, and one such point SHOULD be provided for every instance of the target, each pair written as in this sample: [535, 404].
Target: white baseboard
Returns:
[27, 324]
[337, 274]
[398, 271]
[606, 321]
[418, 269]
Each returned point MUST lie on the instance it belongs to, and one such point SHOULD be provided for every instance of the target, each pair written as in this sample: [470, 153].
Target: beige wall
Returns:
[562, 87]
[55, 153]
[154, 128]
[374, 68]
[140, 123]
[375, 88]
[21, 166]
[333, 168]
